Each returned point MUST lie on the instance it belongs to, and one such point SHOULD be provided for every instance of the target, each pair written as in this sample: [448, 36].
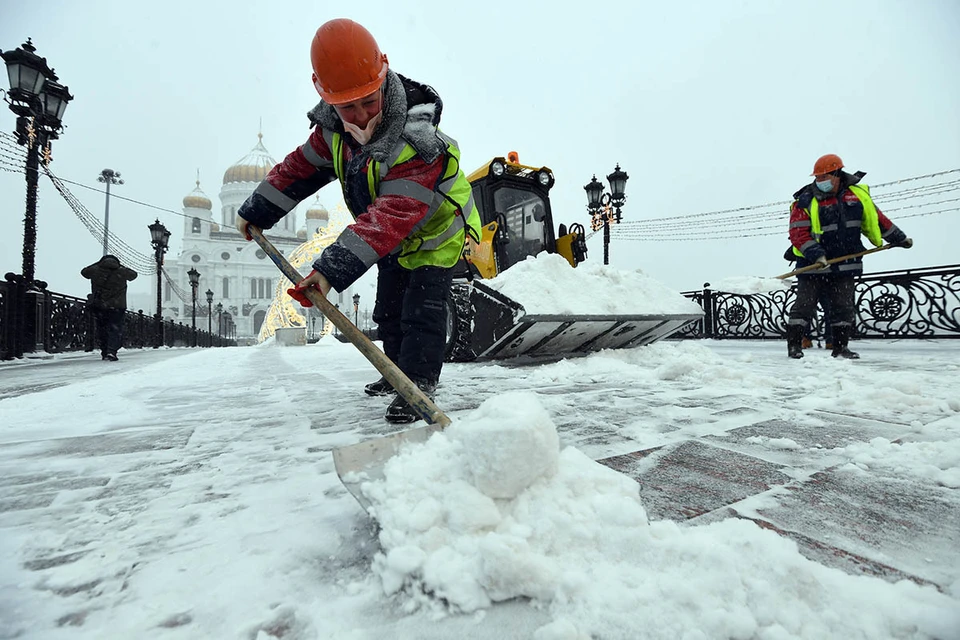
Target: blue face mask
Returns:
[826, 185]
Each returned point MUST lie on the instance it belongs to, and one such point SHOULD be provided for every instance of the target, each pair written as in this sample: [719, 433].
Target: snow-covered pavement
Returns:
[191, 494]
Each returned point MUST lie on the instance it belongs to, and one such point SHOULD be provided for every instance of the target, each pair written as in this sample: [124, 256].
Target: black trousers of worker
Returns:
[837, 288]
[411, 317]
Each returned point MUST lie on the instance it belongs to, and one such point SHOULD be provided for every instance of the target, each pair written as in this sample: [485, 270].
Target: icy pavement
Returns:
[191, 494]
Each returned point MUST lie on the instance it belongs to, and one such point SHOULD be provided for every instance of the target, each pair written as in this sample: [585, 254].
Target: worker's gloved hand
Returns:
[242, 227]
[315, 280]
[821, 263]
[906, 244]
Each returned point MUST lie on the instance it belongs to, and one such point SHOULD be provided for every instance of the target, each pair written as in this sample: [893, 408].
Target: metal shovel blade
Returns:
[364, 462]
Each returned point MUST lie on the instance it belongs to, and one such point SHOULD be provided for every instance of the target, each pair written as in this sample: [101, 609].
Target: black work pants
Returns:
[109, 330]
[411, 317]
[838, 289]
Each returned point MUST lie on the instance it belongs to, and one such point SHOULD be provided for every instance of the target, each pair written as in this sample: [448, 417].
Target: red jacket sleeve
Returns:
[888, 230]
[301, 174]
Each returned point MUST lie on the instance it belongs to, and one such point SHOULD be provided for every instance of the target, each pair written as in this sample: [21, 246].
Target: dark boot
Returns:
[841, 335]
[400, 411]
[379, 388]
[795, 341]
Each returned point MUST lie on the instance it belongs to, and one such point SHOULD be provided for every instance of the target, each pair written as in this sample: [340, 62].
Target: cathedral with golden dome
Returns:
[238, 273]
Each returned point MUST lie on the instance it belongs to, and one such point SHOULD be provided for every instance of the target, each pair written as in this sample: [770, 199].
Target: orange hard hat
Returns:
[826, 164]
[347, 62]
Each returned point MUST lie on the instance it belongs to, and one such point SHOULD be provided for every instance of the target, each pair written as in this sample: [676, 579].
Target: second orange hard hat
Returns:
[347, 62]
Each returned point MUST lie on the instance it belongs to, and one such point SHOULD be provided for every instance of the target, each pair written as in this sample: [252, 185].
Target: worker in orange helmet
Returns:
[376, 132]
[827, 220]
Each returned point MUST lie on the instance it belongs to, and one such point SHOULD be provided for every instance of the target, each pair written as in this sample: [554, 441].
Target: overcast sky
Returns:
[707, 106]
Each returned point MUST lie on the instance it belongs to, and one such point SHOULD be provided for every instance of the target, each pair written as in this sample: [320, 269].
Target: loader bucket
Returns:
[490, 326]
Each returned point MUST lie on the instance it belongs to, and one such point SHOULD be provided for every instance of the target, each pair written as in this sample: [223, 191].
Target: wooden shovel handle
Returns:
[404, 386]
[814, 267]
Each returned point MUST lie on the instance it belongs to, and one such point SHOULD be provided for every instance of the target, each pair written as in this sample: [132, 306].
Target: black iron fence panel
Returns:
[69, 324]
[34, 319]
[6, 308]
[755, 315]
[137, 333]
[697, 329]
[914, 303]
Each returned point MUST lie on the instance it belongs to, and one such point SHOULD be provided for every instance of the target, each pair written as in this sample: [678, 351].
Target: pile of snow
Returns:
[546, 284]
[745, 285]
[490, 510]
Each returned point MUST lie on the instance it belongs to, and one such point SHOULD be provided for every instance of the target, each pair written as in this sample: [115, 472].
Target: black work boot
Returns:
[379, 388]
[795, 341]
[840, 337]
[400, 411]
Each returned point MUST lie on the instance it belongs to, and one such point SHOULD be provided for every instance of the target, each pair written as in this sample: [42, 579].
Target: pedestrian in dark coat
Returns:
[108, 301]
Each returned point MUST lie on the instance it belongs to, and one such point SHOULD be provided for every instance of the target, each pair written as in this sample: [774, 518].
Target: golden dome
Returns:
[302, 234]
[253, 167]
[317, 211]
[214, 227]
[197, 199]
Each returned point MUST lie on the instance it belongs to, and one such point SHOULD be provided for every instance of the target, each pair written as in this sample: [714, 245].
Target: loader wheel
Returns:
[458, 347]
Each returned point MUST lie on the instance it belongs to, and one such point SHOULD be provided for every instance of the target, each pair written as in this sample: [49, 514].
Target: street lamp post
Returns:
[194, 276]
[220, 319]
[109, 177]
[209, 313]
[356, 309]
[38, 101]
[159, 239]
[600, 203]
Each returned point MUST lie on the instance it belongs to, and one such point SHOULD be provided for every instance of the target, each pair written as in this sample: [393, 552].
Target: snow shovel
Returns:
[814, 267]
[364, 461]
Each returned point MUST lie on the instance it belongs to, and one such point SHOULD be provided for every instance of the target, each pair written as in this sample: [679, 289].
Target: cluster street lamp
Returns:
[356, 309]
[38, 101]
[159, 238]
[194, 276]
[108, 177]
[209, 312]
[605, 207]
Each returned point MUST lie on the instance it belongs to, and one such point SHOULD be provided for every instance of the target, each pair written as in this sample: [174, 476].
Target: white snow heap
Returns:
[546, 284]
[486, 510]
[745, 285]
[508, 445]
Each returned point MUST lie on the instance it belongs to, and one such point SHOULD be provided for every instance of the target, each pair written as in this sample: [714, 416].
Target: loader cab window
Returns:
[524, 215]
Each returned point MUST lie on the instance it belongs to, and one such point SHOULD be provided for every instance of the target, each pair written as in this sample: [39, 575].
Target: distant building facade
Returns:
[240, 275]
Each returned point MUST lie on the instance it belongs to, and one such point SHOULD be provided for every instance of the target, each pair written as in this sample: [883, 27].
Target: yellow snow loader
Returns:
[482, 323]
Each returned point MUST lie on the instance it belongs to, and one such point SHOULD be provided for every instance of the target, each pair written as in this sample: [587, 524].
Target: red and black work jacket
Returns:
[841, 217]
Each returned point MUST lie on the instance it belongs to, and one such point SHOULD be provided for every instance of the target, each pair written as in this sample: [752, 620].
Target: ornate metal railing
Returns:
[33, 319]
[913, 303]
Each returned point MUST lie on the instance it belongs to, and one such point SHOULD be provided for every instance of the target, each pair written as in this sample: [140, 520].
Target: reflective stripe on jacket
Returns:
[438, 238]
[869, 222]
